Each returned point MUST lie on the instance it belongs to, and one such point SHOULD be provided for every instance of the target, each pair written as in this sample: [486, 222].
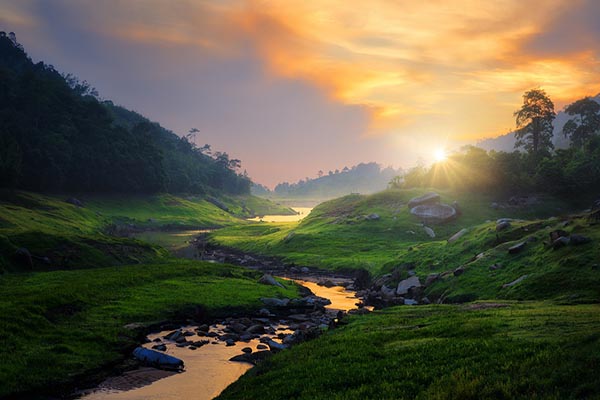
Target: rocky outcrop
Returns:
[434, 213]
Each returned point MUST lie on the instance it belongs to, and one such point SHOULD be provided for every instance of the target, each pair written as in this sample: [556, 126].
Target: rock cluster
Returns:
[397, 289]
[284, 323]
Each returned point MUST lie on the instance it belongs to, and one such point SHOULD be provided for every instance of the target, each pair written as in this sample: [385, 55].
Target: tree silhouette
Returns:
[586, 121]
[534, 122]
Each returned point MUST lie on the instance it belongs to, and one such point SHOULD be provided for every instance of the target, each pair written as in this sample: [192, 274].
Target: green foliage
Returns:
[477, 351]
[57, 326]
[534, 122]
[55, 136]
[586, 122]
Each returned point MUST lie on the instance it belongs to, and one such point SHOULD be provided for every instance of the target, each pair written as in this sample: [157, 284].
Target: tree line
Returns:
[534, 165]
[56, 135]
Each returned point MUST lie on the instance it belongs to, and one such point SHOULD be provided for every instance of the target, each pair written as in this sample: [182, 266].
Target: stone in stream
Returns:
[274, 346]
[257, 328]
[268, 279]
[407, 284]
[247, 350]
[160, 347]
[173, 335]
[252, 358]
[274, 302]
[237, 327]
[262, 346]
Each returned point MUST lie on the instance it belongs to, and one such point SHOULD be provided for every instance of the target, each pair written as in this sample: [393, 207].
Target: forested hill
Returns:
[363, 178]
[56, 136]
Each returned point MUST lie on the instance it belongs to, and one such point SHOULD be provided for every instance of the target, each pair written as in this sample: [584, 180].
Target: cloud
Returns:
[278, 83]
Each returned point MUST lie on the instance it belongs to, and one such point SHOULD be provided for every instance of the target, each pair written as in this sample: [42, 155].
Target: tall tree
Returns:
[534, 122]
[586, 121]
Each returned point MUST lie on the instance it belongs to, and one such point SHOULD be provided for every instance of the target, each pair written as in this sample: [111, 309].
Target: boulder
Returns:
[513, 283]
[458, 235]
[428, 198]
[431, 278]
[257, 328]
[434, 213]
[556, 234]
[387, 292]
[372, 217]
[516, 248]
[579, 239]
[23, 258]
[495, 266]
[562, 241]
[459, 271]
[430, 232]
[407, 284]
[502, 226]
[268, 279]
[410, 302]
[74, 201]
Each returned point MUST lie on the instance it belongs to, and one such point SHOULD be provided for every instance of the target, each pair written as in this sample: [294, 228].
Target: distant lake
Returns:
[302, 212]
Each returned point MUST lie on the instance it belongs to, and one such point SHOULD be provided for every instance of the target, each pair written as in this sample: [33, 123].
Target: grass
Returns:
[59, 326]
[55, 326]
[75, 237]
[528, 351]
[337, 236]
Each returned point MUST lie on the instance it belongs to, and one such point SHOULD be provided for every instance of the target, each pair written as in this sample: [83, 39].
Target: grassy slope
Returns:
[441, 352]
[527, 350]
[336, 236]
[72, 237]
[63, 323]
[56, 325]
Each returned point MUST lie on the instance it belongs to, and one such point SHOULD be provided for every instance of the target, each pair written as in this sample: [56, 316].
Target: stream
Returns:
[206, 351]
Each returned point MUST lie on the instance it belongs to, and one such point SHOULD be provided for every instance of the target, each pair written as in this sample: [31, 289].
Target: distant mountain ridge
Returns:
[507, 142]
[364, 178]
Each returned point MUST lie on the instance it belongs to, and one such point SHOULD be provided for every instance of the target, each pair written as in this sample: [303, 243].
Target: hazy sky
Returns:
[295, 86]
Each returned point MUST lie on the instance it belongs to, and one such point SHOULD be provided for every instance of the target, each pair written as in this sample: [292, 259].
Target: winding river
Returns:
[208, 370]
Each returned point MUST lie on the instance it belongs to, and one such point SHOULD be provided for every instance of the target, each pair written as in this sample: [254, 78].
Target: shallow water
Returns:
[208, 370]
[302, 213]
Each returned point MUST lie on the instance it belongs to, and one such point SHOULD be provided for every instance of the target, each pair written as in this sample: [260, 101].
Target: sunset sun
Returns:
[439, 155]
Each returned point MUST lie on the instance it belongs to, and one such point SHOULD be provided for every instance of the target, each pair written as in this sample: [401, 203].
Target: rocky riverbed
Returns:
[218, 353]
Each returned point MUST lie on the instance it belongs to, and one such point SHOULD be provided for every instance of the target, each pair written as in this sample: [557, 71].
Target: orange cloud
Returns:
[426, 66]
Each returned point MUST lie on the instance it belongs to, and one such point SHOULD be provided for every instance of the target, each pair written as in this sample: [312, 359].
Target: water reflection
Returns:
[302, 213]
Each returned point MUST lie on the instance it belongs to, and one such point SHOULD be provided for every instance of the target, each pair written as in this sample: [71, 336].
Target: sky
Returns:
[292, 87]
